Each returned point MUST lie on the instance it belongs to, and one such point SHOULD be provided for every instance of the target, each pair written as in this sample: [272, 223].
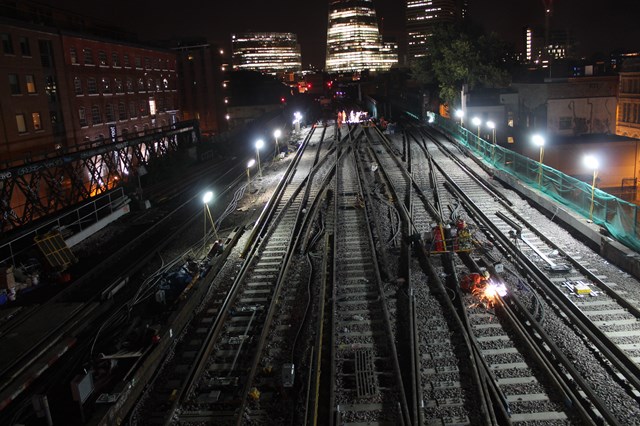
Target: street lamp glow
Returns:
[249, 166]
[206, 198]
[491, 125]
[592, 162]
[460, 114]
[538, 140]
[276, 134]
[259, 144]
[477, 122]
[297, 118]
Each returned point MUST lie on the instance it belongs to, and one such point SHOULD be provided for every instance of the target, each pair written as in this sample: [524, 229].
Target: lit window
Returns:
[31, 83]
[14, 84]
[21, 123]
[140, 85]
[25, 49]
[37, 123]
[118, 84]
[129, 85]
[165, 83]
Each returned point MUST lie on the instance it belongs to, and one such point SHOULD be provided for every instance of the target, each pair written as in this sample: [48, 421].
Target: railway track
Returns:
[222, 357]
[513, 228]
[507, 379]
[367, 385]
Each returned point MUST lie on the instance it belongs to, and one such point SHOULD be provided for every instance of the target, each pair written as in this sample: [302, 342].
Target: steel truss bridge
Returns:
[37, 189]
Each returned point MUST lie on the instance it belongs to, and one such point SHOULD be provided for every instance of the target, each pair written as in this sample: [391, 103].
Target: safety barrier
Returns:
[619, 217]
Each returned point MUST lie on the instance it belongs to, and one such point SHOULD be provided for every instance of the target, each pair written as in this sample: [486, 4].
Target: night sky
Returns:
[597, 29]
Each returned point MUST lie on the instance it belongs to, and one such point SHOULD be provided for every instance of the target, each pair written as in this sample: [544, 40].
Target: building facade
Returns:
[628, 114]
[354, 42]
[33, 111]
[118, 89]
[269, 53]
[202, 86]
[63, 90]
[423, 15]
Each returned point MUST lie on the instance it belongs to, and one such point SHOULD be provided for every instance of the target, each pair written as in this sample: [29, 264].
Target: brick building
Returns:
[118, 89]
[65, 89]
[628, 117]
[32, 107]
[201, 68]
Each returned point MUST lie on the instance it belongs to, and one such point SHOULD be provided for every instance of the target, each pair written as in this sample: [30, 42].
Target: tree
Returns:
[460, 56]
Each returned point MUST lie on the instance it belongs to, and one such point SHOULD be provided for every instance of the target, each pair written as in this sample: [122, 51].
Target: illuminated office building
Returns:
[354, 42]
[269, 53]
[423, 15]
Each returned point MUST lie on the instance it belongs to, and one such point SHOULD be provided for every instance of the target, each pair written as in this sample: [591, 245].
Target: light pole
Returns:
[491, 125]
[592, 162]
[477, 122]
[460, 114]
[276, 135]
[206, 199]
[297, 118]
[538, 140]
[250, 164]
[259, 144]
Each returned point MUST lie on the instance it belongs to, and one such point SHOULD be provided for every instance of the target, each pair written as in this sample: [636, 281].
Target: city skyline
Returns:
[595, 29]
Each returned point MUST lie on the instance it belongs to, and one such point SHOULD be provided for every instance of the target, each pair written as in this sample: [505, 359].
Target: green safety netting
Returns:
[619, 217]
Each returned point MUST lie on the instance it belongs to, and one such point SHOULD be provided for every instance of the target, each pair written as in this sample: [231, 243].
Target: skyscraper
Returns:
[423, 16]
[354, 42]
[270, 53]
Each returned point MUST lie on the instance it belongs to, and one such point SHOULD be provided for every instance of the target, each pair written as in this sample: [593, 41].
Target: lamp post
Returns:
[250, 164]
[297, 118]
[538, 140]
[206, 199]
[276, 135]
[460, 114]
[477, 122]
[491, 125]
[259, 144]
[592, 162]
